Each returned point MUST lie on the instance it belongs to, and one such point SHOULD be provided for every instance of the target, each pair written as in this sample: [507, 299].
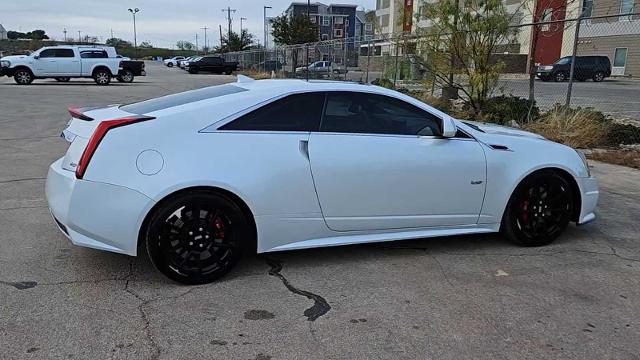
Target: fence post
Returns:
[573, 57]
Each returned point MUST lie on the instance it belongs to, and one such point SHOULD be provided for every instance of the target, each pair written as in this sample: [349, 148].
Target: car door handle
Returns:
[304, 148]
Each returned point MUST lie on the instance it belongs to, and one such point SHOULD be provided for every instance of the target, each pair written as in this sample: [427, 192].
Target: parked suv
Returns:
[587, 67]
[63, 63]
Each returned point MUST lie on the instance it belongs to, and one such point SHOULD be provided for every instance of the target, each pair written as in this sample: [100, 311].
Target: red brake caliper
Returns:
[525, 215]
[219, 225]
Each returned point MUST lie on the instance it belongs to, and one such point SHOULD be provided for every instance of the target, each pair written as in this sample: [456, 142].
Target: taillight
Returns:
[78, 113]
[99, 134]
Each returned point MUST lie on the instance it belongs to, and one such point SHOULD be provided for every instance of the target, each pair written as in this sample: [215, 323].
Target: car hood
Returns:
[14, 57]
[495, 129]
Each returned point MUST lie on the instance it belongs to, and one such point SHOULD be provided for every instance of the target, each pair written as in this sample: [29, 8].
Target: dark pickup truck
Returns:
[213, 64]
[129, 69]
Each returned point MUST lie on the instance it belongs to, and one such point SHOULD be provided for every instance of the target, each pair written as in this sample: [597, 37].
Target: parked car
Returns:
[182, 63]
[587, 67]
[269, 65]
[129, 69]
[198, 176]
[173, 61]
[322, 67]
[63, 63]
[213, 64]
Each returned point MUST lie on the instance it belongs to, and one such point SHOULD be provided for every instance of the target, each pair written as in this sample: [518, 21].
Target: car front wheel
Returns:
[539, 209]
[197, 237]
[560, 77]
[23, 77]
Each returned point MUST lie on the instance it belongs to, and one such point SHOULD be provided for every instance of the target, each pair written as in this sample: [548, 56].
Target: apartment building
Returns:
[335, 21]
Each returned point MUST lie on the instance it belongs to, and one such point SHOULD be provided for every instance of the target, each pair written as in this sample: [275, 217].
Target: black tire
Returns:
[170, 64]
[560, 77]
[126, 76]
[63, 79]
[193, 70]
[598, 76]
[102, 77]
[228, 72]
[23, 77]
[177, 238]
[539, 209]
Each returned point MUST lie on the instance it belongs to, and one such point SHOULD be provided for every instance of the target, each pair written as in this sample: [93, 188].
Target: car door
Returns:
[379, 163]
[46, 64]
[68, 62]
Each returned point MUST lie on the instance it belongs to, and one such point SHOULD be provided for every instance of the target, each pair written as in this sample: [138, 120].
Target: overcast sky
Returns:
[162, 22]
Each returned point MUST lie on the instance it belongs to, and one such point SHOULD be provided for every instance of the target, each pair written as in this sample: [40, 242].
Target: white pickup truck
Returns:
[63, 63]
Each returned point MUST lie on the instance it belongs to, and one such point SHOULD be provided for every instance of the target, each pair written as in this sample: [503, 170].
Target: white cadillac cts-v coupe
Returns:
[275, 165]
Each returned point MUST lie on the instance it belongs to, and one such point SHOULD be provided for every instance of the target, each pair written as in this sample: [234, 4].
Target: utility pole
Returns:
[196, 43]
[242, 18]
[65, 34]
[229, 10]
[220, 35]
[135, 35]
[573, 54]
[112, 33]
[206, 47]
[307, 45]
[79, 37]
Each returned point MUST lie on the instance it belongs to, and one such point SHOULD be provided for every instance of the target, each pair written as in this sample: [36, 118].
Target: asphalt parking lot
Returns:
[468, 297]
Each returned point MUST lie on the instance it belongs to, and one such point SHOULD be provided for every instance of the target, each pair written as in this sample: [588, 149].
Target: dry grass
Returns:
[256, 75]
[578, 128]
[623, 157]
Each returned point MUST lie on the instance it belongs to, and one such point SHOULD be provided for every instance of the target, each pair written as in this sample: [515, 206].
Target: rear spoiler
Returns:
[78, 113]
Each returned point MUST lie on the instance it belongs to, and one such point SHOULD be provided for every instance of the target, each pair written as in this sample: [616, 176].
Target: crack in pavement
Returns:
[320, 305]
[20, 285]
[23, 179]
[24, 207]
[143, 314]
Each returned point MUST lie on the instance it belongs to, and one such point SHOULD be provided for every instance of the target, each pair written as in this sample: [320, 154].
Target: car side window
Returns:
[65, 53]
[299, 112]
[353, 112]
[93, 54]
[48, 53]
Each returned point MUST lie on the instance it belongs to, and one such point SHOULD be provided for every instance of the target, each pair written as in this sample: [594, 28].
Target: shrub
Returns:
[439, 103]
[623, 134]
[503, 109]
[256, 75]
[384, 83]
[576, 127]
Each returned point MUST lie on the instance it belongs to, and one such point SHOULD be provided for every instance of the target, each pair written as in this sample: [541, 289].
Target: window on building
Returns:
[620, 57]
[339, 20]
[368, 27]
[546, 16]
[325, 36]
[384, 20]
[326, 20]
[312, 19]
[337, 33]
[626, 7]
[300, 112]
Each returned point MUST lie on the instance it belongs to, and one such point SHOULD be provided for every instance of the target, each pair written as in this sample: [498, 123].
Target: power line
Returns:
[229, 10]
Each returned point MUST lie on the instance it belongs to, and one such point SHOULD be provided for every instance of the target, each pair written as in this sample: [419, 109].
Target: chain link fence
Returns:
[536, 67]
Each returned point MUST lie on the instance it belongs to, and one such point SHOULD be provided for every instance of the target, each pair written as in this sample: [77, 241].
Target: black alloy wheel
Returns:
[539, 209]
[197, 237]
[126, 76]
[560, 77]
[102, 77]
[598, 76]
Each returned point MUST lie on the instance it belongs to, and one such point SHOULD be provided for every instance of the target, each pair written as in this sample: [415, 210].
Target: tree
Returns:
[235, 42]
[118, 43]
[33, 35]
[463, 43]
[145, 45]
[293, 30]
[185, 45]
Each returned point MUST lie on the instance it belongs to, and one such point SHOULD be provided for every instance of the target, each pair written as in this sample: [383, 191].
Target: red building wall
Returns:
[549, 37]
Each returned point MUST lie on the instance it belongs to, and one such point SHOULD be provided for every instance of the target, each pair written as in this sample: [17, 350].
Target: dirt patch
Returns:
[630, 158]
[258, 315]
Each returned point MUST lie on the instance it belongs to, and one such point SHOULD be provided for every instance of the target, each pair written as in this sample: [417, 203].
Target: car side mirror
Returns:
[449, 128]
[36, 57]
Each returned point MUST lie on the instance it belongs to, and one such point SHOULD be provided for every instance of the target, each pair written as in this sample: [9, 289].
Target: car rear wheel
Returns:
[193, 70]
[102, 77]
[539, 209]
[228, 72]
[170, 64]
[197, 237]
[23, 77]
[598, 76]
[63, 79]
[126, 76]
[560, 77]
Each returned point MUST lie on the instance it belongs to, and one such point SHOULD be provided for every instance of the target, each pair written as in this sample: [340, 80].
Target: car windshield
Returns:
[564, 60]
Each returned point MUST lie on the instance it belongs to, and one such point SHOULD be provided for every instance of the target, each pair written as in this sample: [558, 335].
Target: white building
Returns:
[3, 33]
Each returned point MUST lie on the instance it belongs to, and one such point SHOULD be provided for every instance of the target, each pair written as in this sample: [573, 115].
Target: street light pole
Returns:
[65, 34]
[135, 35]
[242, 18]
[264, 24]
[79, 37]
